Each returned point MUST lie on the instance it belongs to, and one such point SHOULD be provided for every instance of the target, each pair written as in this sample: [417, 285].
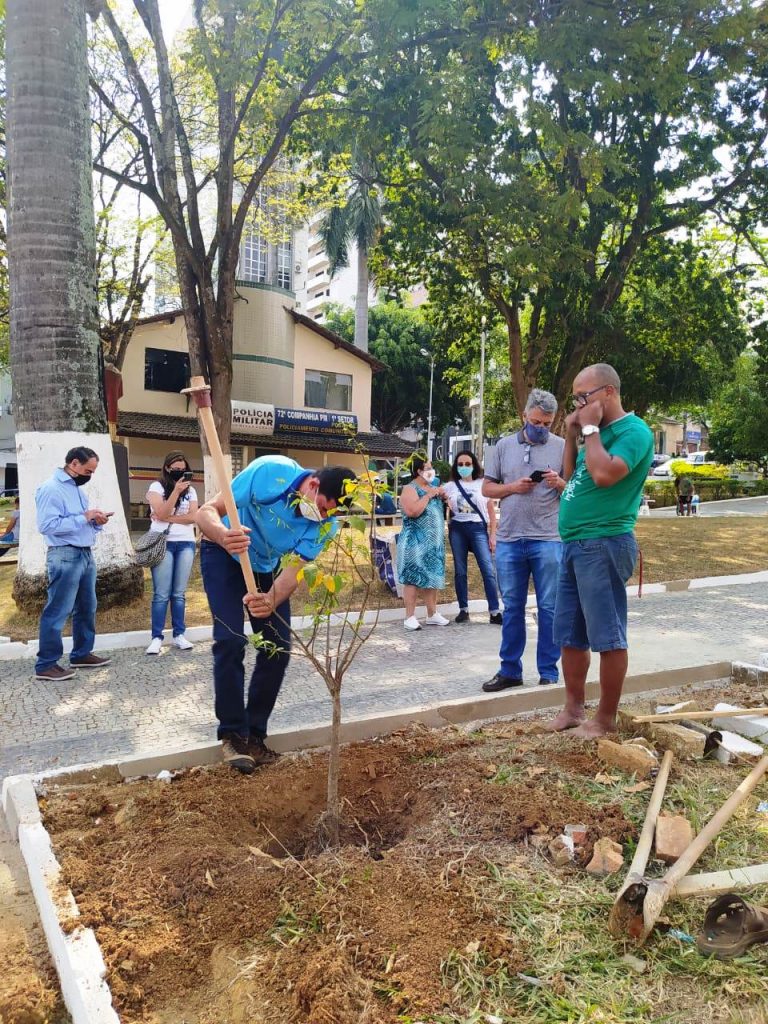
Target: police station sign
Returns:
[261, 418]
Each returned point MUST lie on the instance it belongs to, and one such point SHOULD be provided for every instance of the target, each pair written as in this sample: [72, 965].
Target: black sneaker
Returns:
[260, 752]
[547, 682]
[500, 682]
[463, 616]
[496, 619]
[235, 753]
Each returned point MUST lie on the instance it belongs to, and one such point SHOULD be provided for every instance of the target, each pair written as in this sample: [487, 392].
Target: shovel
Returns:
[645, 900]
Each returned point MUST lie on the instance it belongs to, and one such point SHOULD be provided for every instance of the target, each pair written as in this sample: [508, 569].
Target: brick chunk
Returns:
[629, 757]
[673, 836]
[607, 858]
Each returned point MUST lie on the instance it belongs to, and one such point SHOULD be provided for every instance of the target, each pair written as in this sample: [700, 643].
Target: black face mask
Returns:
[80, 479]
[176, 474]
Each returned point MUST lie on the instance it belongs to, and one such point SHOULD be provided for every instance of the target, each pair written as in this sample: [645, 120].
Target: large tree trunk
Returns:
[51, 254]
[361, 299]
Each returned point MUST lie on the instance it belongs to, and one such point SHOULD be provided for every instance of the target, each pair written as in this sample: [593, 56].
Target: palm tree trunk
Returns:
[361, 299]
[51, 254]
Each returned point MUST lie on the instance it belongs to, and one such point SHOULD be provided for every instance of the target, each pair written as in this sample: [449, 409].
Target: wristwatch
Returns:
[589, 429]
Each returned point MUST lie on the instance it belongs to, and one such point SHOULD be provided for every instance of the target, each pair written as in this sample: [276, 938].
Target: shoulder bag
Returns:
[471, 503]
[150, 548]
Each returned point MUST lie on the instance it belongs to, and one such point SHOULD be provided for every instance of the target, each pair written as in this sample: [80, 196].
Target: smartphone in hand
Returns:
[187, 475]
[537, 476]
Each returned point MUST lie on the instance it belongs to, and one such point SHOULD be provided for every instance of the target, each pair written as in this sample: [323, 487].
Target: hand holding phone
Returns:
[537, 476]
[187, 475]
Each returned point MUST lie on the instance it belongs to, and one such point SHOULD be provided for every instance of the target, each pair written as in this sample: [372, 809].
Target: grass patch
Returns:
[672, 549]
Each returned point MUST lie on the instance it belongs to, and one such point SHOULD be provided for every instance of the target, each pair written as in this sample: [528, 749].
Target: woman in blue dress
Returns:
[421, 544]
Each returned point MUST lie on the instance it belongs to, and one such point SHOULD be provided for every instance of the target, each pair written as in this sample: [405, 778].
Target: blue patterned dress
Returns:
[421, 546]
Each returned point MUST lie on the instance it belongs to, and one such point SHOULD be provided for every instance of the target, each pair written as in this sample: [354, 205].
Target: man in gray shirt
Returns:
[525, 471]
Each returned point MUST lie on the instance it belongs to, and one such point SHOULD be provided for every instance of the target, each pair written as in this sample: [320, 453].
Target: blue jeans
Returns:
[225, 590]
[466, 537]
[591, 606]
[516, 562]
[71, 591]
[169, 582]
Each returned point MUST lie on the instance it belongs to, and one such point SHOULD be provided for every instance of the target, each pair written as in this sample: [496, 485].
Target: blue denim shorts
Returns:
[591, 603]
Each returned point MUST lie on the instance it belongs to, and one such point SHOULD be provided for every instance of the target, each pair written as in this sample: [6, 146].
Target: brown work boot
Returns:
[55, 673]
[90, 661]
[235, 753]
[260, 752]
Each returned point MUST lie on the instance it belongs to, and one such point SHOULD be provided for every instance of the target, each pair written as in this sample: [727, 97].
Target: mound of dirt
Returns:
[213, 899]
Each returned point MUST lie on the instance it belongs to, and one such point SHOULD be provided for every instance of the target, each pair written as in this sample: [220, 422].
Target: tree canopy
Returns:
[538, 163]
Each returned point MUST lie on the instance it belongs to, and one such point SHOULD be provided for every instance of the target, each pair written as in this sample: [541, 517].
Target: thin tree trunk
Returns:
[333, 812]
[361, 299]
[51, 250]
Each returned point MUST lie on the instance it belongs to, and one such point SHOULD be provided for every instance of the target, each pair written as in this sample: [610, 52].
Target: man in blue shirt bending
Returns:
[283, 509]
[70, 529]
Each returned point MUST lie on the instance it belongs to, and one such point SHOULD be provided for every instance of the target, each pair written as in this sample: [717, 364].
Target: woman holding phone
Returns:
[472, 527]
[173, 503]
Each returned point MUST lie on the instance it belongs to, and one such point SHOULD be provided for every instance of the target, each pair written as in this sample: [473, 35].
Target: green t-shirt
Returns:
[587, 510]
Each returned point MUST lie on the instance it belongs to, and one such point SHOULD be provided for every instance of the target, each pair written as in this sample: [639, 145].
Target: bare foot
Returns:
[565, 720]
[593, 730]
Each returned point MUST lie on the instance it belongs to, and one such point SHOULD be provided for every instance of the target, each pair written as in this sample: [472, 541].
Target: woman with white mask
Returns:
[421, 544]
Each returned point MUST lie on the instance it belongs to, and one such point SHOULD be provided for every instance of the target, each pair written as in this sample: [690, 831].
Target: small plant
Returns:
[342, 585]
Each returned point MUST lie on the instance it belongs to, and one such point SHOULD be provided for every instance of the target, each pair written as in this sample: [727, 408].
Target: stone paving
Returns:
[143, 703]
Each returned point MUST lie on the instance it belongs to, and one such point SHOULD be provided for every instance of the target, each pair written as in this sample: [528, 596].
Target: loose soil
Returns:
[28, 986]
[213, 898]
[216, 901]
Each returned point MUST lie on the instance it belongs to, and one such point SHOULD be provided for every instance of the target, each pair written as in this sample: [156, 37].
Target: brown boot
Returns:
[90, 661]
[235, 753]
[260, 752]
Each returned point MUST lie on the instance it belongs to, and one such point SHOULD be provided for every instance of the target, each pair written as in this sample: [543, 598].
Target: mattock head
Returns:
[200, 391]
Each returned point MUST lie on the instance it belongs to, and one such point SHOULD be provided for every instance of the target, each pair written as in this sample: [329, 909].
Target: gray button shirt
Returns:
[532, 515]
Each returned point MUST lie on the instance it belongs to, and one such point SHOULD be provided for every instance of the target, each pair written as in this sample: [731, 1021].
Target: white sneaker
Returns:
[412, 623]
[154, 647]
[182, 643]
[436, 620]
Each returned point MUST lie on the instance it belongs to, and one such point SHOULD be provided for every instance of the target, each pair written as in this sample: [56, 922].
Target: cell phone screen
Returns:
[537, 476]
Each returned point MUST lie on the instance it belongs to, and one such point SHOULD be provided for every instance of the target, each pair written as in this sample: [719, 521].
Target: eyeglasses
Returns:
[582, 398]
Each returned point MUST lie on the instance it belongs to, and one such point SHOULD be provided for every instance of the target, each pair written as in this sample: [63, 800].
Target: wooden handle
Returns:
[695, 716]
[644, 843]
[225, 486]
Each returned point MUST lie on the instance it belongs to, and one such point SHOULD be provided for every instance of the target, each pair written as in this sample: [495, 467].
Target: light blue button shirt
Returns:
[61, 507]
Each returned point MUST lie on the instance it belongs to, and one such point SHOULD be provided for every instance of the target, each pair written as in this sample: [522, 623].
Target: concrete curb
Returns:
[76, 953]
[19, 650]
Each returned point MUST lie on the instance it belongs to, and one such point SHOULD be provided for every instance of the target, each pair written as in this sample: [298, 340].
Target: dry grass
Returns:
[672, 549]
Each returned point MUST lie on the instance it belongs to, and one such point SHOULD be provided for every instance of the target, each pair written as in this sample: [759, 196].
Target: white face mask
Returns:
[429, 475]
[310, 510]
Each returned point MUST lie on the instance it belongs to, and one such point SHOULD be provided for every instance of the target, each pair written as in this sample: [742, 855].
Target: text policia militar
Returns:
[262, 418]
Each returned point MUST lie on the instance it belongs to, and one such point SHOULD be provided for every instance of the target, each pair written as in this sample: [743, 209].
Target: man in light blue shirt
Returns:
[283, 509]
[70, 529]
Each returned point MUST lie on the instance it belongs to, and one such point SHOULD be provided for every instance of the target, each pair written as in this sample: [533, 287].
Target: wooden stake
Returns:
[201, 393]
[698, 716]
[717, 883]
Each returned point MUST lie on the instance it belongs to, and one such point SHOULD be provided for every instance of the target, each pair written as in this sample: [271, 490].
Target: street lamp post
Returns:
[480, 411]
[429, 414]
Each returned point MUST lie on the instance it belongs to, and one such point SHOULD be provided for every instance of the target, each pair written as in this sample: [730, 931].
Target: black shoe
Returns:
[260, 752]
[235, 753]
[462, 616]
[500, 682]
[547, 682]
[496, 619]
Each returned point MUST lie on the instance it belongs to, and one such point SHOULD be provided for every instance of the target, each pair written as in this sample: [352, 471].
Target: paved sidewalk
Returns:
[141, 703]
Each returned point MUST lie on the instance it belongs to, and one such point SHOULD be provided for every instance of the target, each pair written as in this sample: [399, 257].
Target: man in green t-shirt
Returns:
[598, 511]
